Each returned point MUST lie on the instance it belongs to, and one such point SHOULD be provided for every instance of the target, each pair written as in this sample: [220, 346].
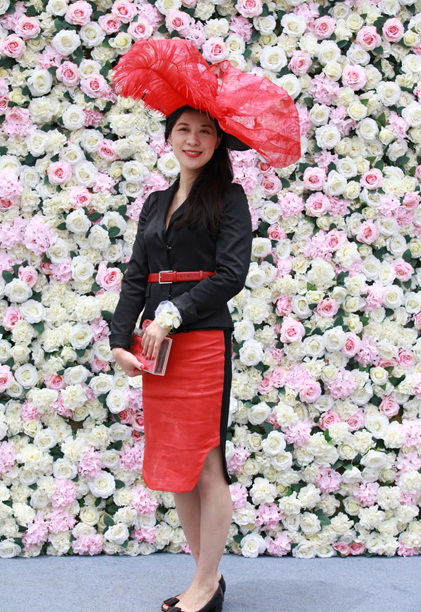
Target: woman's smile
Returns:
[192, 153]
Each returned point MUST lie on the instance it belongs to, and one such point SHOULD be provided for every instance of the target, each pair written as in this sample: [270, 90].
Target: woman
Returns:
[207, 227]
[200, 228]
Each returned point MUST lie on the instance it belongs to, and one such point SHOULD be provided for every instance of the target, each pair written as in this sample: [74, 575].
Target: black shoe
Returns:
[213, 605]
[171, 601]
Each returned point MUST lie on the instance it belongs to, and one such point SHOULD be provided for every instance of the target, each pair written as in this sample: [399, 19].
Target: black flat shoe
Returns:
[172, 601]
[213, 605]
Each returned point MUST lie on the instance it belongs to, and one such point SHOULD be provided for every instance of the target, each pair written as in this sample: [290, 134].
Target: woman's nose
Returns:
[193, 138]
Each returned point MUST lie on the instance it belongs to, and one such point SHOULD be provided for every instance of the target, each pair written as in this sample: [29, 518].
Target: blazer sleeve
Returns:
[133, 287]
[233, 252]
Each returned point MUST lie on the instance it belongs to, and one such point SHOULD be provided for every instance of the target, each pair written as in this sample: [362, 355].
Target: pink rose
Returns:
[108, 278]
[27, 27]
[403, 269]
[334, 240]
[354, 77]
[124, 10]
[393, 30]
[275, 232]
[68, 73]
[310, 392]
[59, 172]
[28, 275]
[300, 62]
[10, 316]
[13, 46]
[283, 306]
[140, 29]
[368, 232]
[79, 13]
[271, 184]
[368, 38]
[356, 420]
[106, 150]
[342, 548]
[80, 196]
[357, 548]
[109, 23]
[323, 27]
[328, 418]
[411, 200]
[94, 86]
[179, 21]
[249, 8]
[54, 381]
[327, 308]
[6, 377]
[317, 204]
[389, 406]
[406, 358]
[292, 330]
[352, 344]
[314, 178]
[215, 49]
[372, 179]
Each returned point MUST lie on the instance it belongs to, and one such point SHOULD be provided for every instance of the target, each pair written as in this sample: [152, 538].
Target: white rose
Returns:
[251, 353]
[328, 51]
[274, 444]
[40, 82]
[367, 129]
[309, 523]
[273, 58]
[412, 114]
[66, 42]
[116, 402]
[36, 143]
[85, 173]
[327, 136]
[91, 34]
[389, 92]
[258, 413]
[103, 485]
[168, 165]
[117, 533]
[17, 291]
[9, 549]
[291, 84]
[73, 117]
[252, 545]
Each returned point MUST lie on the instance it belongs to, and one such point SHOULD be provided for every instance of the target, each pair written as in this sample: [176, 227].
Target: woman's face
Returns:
[194, 139]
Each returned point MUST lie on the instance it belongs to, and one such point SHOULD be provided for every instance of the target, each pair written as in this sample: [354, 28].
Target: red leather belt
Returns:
[165, 277]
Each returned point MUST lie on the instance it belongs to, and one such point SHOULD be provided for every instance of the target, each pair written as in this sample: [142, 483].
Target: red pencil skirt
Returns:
[186, 410]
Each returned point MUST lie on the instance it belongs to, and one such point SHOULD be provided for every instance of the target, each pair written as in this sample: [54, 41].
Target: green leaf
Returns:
[108, 520]
[62, 226]
[113, 231]
[39, 326]
[8, 276]
[119, 484]
[407, 256]
[327, 436]
[381, 120]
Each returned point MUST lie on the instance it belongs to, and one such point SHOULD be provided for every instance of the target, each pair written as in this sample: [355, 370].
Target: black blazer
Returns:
[202, 304]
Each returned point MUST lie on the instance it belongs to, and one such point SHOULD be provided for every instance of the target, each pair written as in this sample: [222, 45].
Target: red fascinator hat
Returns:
[254, 112]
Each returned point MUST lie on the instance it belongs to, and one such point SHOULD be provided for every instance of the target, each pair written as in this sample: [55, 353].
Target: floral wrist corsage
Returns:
[167, 315]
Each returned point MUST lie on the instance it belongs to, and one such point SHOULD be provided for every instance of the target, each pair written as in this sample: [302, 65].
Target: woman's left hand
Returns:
[152, 339]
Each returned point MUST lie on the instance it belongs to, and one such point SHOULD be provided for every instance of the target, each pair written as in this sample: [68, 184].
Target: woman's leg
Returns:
[214, 523]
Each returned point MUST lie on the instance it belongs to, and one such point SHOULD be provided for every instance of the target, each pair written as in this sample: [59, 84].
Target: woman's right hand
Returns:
[127, 361]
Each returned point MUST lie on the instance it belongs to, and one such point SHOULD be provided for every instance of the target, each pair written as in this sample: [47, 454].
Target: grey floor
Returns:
[267, 584]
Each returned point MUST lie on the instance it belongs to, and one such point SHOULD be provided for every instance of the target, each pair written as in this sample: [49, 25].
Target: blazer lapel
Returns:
[164, 202]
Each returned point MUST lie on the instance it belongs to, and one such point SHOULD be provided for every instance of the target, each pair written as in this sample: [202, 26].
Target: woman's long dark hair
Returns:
[204, 206]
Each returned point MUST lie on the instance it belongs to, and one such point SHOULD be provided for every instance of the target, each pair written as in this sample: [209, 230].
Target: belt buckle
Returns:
[162, 282]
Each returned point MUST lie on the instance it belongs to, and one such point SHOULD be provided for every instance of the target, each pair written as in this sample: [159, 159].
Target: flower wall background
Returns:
[325, 439]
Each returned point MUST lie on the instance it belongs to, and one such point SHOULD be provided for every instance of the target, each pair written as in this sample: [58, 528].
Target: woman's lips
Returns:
[192, 153]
